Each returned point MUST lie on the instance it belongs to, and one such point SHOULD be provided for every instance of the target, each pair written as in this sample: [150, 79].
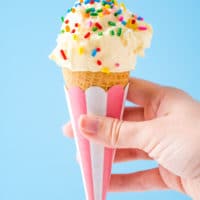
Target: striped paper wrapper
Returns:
[95, 159]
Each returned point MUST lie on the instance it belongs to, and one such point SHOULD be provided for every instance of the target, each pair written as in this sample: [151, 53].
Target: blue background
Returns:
[37, 162]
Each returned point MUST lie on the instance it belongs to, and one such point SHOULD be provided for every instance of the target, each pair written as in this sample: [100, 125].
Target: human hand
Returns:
[165, 127]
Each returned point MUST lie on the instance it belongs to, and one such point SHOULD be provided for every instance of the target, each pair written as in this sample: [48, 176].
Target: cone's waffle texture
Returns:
[84, 80]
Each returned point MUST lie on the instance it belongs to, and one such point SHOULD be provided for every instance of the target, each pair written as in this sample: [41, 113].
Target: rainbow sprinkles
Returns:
[97, 19]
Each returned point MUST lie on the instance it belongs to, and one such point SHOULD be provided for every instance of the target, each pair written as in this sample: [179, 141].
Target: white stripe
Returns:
[96, 101]
[76, 141]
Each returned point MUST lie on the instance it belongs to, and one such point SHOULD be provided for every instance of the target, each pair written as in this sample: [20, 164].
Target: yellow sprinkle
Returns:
[131, 26]
[116, 2]
[81, 1]
[107, 6]
[75, 37]
[123, 6]
[81, 50]
[100, 14]
[105, 70]
[67, 29]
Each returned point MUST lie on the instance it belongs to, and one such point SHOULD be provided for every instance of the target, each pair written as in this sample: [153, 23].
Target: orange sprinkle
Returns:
[67, 28]
[73, 10]
[86, 15]
[106, 12]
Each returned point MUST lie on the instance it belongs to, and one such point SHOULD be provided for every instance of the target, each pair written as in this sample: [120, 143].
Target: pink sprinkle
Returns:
[142, 28]
[90, 23]
[117, 65]
[121, 18]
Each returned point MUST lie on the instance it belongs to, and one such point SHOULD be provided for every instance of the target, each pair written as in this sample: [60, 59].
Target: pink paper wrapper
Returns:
[95, 159]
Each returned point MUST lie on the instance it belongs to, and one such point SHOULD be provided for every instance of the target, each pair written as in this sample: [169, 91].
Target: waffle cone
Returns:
[84, 80]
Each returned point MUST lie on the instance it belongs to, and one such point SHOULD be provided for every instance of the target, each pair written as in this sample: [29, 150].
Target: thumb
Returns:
[121, 134]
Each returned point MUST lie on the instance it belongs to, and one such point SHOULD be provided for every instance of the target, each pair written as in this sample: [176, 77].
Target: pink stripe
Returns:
[78, 105]
[114, 107]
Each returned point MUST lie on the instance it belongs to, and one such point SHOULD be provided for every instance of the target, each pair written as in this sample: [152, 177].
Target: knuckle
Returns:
[174, 92]
[115, 130]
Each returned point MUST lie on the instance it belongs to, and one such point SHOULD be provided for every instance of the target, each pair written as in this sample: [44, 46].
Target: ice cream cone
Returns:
[84, 80]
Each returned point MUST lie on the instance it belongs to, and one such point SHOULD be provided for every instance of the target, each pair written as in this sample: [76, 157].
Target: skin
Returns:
[165, 127]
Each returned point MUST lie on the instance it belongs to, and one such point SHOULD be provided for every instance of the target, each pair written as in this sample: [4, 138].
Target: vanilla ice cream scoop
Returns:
[101, 36]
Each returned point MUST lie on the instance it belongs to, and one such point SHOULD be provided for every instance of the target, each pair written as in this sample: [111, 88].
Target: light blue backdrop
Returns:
[37, 162]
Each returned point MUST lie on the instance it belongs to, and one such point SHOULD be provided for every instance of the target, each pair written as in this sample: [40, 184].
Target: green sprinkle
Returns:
[88, 10]
[110, 23]
[62, 31]
[62, 19]
[93, 14]
[94, 29]
[119, 32]
[100, 10]
[112, 33]
[100, 33]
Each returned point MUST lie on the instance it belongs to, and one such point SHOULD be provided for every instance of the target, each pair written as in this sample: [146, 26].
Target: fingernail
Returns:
[89, 124]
